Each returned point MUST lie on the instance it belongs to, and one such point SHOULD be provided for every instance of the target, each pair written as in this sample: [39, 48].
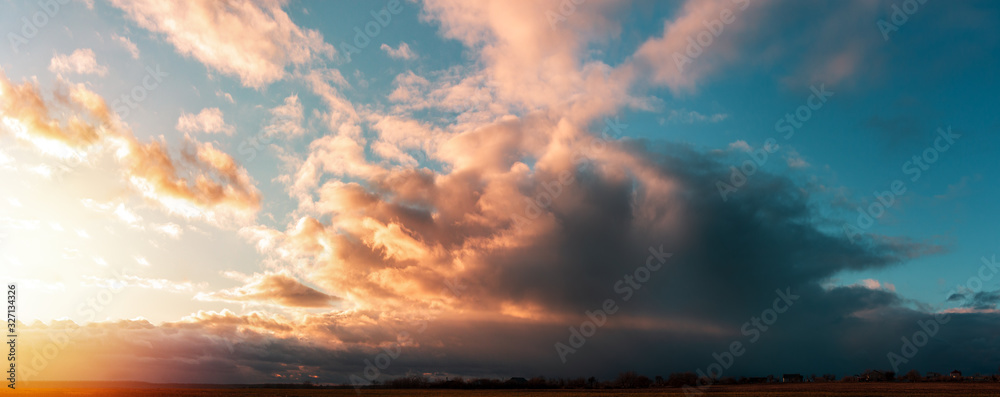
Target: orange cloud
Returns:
[81, 61]
[278, 288]
[24, 107]
[195, 184]
[254, 41]
[209, 120]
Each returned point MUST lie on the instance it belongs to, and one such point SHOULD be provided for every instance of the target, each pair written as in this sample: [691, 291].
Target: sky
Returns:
[342, 192]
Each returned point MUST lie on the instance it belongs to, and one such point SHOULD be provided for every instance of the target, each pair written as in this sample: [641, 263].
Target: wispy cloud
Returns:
[209, 120]
[81, 61]
[229, 38]
[401, 52]
[127, 44]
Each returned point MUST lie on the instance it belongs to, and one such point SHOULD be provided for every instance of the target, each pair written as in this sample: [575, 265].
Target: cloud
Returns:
[81, 61]
[740, 145]
[795, 160]
[976, 301]
[127, 44]
[400, 138]
[172, 230]
[958, 189]
[535, 66]
[985, 300]
[220, 182]
[204, 182]
[254, 347]
[401, 52]
[691, 117]
[677, 60]
[277, 288]
[286, 119]
[396, 234]
[875, 285]
[408, 87]
[526, 222]
[390, 237]
[225, 95]
[209, 120]
[398, 257]
[126, 215]
[25, 113]
[254, 41]
[697, 44]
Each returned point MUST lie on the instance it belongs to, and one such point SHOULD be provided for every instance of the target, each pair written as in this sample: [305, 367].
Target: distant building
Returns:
[956, 374]
[791, 378]
[872, 376]
[517, 381]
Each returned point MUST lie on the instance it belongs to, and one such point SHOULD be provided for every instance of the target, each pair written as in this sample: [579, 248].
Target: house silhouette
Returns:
[791, 378]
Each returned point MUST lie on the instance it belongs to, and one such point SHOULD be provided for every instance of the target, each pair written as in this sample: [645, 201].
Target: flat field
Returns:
[804, 389]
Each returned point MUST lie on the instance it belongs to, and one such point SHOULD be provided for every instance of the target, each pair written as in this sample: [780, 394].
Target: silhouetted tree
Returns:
[537, 382]
[631, 380]
[913, 376]
[408, 382]
[577, 383]
[682, 378]
[872, 375]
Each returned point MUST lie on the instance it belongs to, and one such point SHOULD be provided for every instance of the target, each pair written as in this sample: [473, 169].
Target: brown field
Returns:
[805, 389]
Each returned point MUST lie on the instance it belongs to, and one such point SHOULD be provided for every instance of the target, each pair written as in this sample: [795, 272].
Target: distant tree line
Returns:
[633, 380]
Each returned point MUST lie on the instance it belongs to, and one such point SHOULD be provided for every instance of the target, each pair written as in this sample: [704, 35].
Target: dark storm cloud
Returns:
[728, 256]
[983, 300]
